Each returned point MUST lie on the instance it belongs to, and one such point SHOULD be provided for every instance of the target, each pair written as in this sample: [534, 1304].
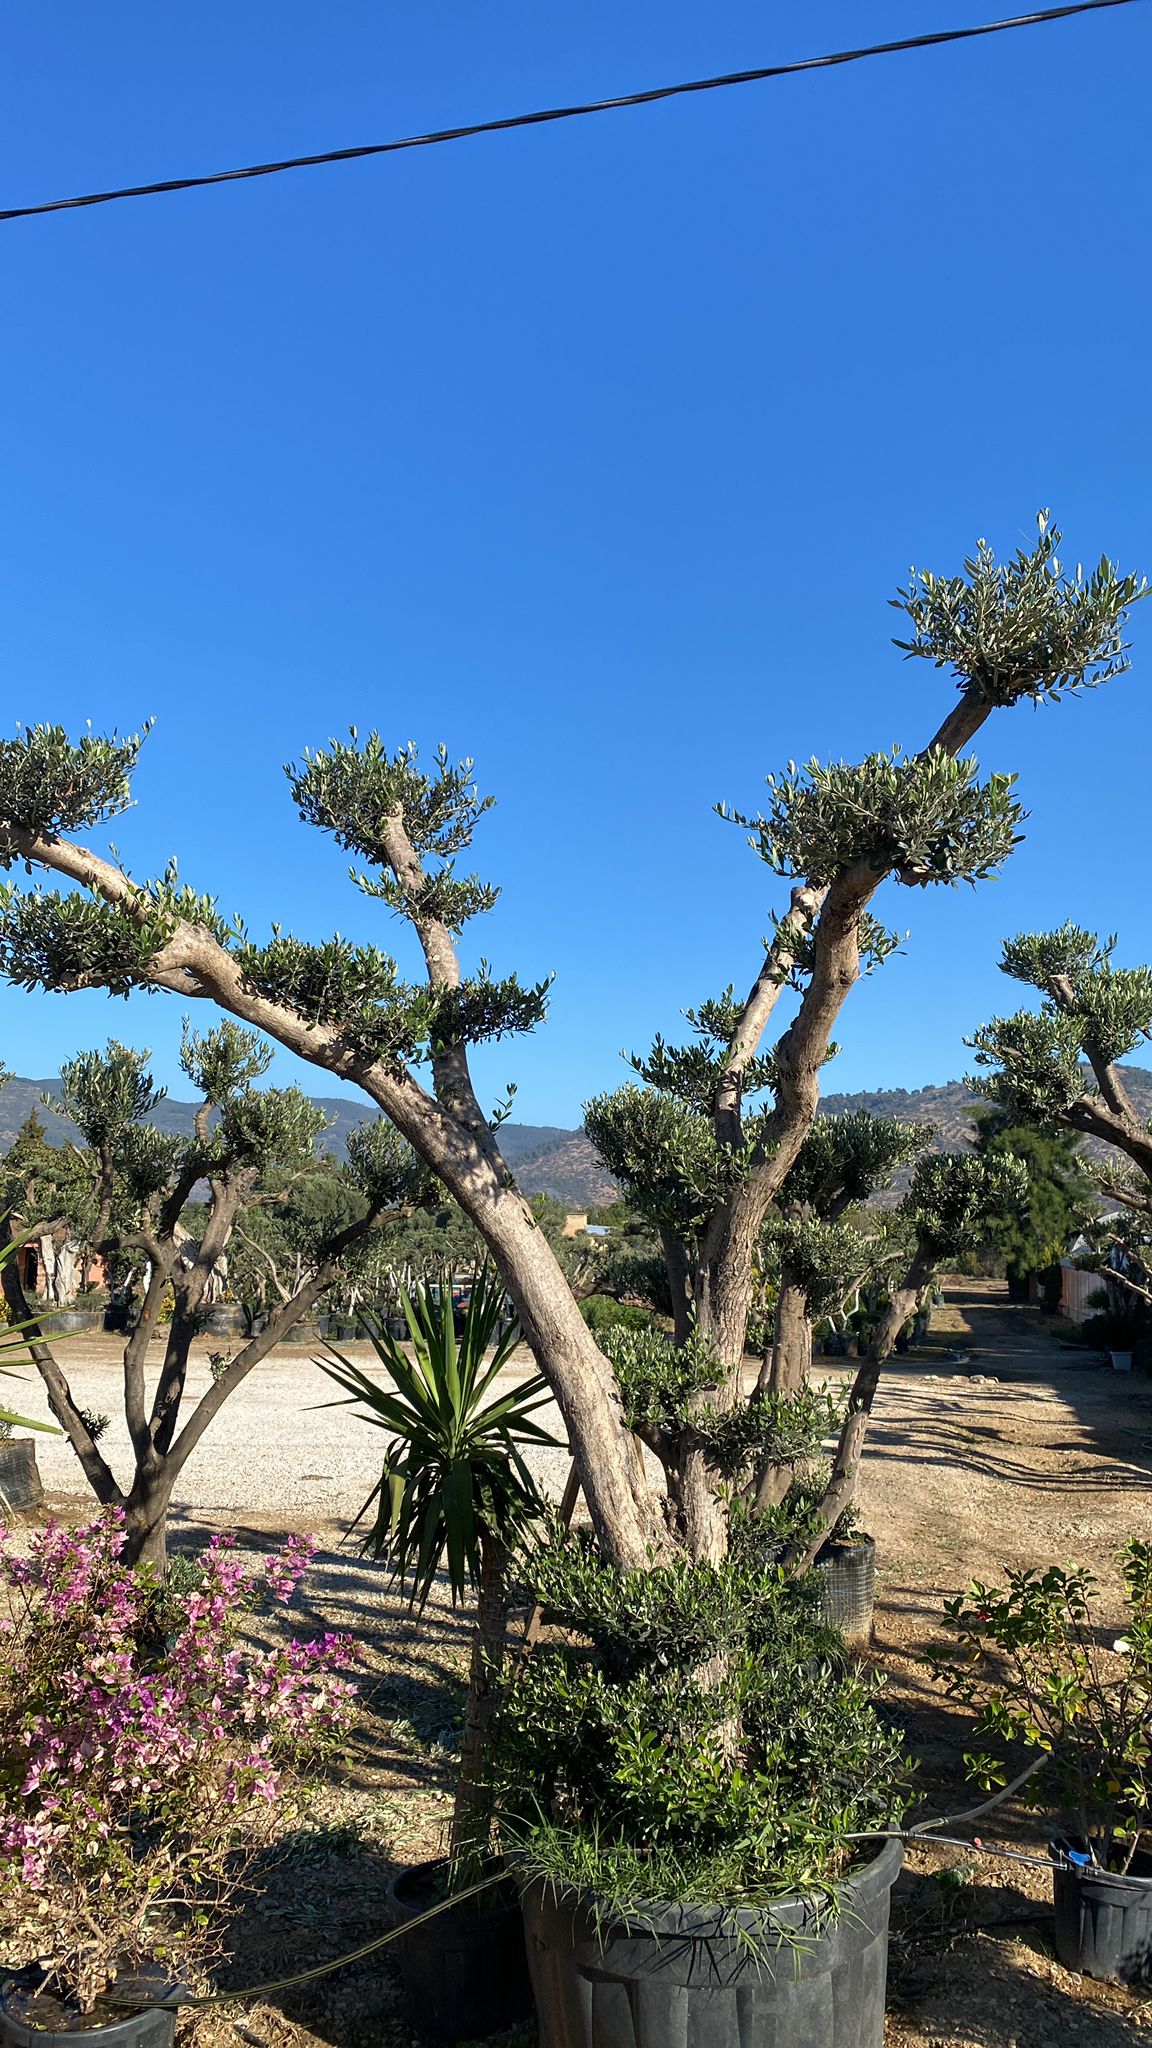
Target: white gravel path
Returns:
[271, 1450]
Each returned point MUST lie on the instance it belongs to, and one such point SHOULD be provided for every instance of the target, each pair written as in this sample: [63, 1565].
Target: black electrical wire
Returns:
[546, 114]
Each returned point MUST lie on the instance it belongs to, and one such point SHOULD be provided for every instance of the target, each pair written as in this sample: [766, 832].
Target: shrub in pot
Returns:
[455, 1494]
[693, 1779]
[144, 1746]
[1039, 1668]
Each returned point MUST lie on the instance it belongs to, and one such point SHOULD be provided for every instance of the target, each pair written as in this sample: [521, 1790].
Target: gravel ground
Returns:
[272, 1447]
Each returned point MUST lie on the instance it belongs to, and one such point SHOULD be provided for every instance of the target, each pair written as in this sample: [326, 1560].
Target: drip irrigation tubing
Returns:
[921, 1833]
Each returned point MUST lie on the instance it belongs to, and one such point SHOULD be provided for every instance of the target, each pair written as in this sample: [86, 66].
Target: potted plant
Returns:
[82, 1317]
[226, 1319]
[1037, 1667]
[455, 1494]
[20, 1482]
[144, 1746]
[845, 1569]
[20, 1485]
[692, 1780]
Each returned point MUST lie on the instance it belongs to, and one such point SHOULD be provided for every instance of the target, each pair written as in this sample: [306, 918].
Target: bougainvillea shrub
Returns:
[146, 1743]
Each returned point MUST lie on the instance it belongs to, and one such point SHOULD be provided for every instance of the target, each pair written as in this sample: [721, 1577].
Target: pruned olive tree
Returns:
[134, 1184]
[1058, 1067]
[943, 1214]
[821, 1256]
[735, 1116]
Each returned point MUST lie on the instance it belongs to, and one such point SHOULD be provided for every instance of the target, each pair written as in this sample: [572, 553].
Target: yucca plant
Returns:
[454, 1493]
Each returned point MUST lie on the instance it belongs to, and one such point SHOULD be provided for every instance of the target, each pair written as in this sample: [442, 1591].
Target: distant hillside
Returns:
[950, 1108]
[570, 1170]
[550, 1160]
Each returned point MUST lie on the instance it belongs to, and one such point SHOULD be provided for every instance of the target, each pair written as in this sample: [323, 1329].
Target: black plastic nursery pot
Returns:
[1103, 1919]
[71, 1322]
[795, 1975]
[29, 2021]
[225, 1319]
[846, 1573]
[303, 1333]
[20, 1485]
[464, 1974]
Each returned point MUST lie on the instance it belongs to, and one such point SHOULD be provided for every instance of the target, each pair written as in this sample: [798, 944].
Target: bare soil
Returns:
[994, 1446]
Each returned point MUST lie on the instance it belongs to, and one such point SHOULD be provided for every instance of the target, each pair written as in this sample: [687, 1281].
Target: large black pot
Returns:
[19, 1474]
[19, 2028]
[1103, 1920]
[846, 1574]
[463, 1974]
[302, 1333]
[786, 1977]
[71, 1322]
[225, 1319]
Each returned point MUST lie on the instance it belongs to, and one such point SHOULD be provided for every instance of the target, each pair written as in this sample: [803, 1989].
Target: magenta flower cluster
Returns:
[141, 1736]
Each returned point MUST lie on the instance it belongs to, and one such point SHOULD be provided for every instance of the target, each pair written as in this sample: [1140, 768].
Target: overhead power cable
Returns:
[546, 114]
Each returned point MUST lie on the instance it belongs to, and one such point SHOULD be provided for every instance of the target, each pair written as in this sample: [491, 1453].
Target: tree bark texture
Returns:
[844, 1478]
[472, 1813]
[789, 1361]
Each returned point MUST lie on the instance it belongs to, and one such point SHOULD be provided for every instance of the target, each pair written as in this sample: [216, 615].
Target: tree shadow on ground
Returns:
[1019, 1345]
[411, 1664]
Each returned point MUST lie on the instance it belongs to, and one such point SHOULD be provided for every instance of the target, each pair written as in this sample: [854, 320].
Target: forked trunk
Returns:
[845, 1475]
[146, 1521]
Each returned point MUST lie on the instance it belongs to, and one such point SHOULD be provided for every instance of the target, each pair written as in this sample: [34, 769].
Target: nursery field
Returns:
[993, 1446]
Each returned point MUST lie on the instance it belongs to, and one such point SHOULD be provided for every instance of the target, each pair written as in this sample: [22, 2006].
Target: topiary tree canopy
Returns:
[715, 1126]
[1058, 1068]
[130, 1188]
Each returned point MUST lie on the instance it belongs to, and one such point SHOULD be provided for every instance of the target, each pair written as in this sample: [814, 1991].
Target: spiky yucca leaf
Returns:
[453, 1475]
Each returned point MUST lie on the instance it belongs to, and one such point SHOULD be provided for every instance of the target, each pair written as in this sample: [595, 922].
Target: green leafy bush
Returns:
[771, 1530]
[603, 1312]
[1038, 1669]
[690, 1733]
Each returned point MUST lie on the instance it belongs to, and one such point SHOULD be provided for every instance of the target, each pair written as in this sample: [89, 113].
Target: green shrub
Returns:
[691, 1734]
[1037, 1665]
[604, 1312]
[769, 1532]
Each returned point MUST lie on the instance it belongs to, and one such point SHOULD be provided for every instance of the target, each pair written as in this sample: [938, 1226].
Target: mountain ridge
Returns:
[549, 1159]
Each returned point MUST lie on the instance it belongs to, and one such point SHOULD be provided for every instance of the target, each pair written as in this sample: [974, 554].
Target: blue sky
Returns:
[594, 451]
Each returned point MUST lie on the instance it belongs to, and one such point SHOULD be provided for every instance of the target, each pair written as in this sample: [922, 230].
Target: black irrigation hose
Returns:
[177, 2002]
[922, 1832]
